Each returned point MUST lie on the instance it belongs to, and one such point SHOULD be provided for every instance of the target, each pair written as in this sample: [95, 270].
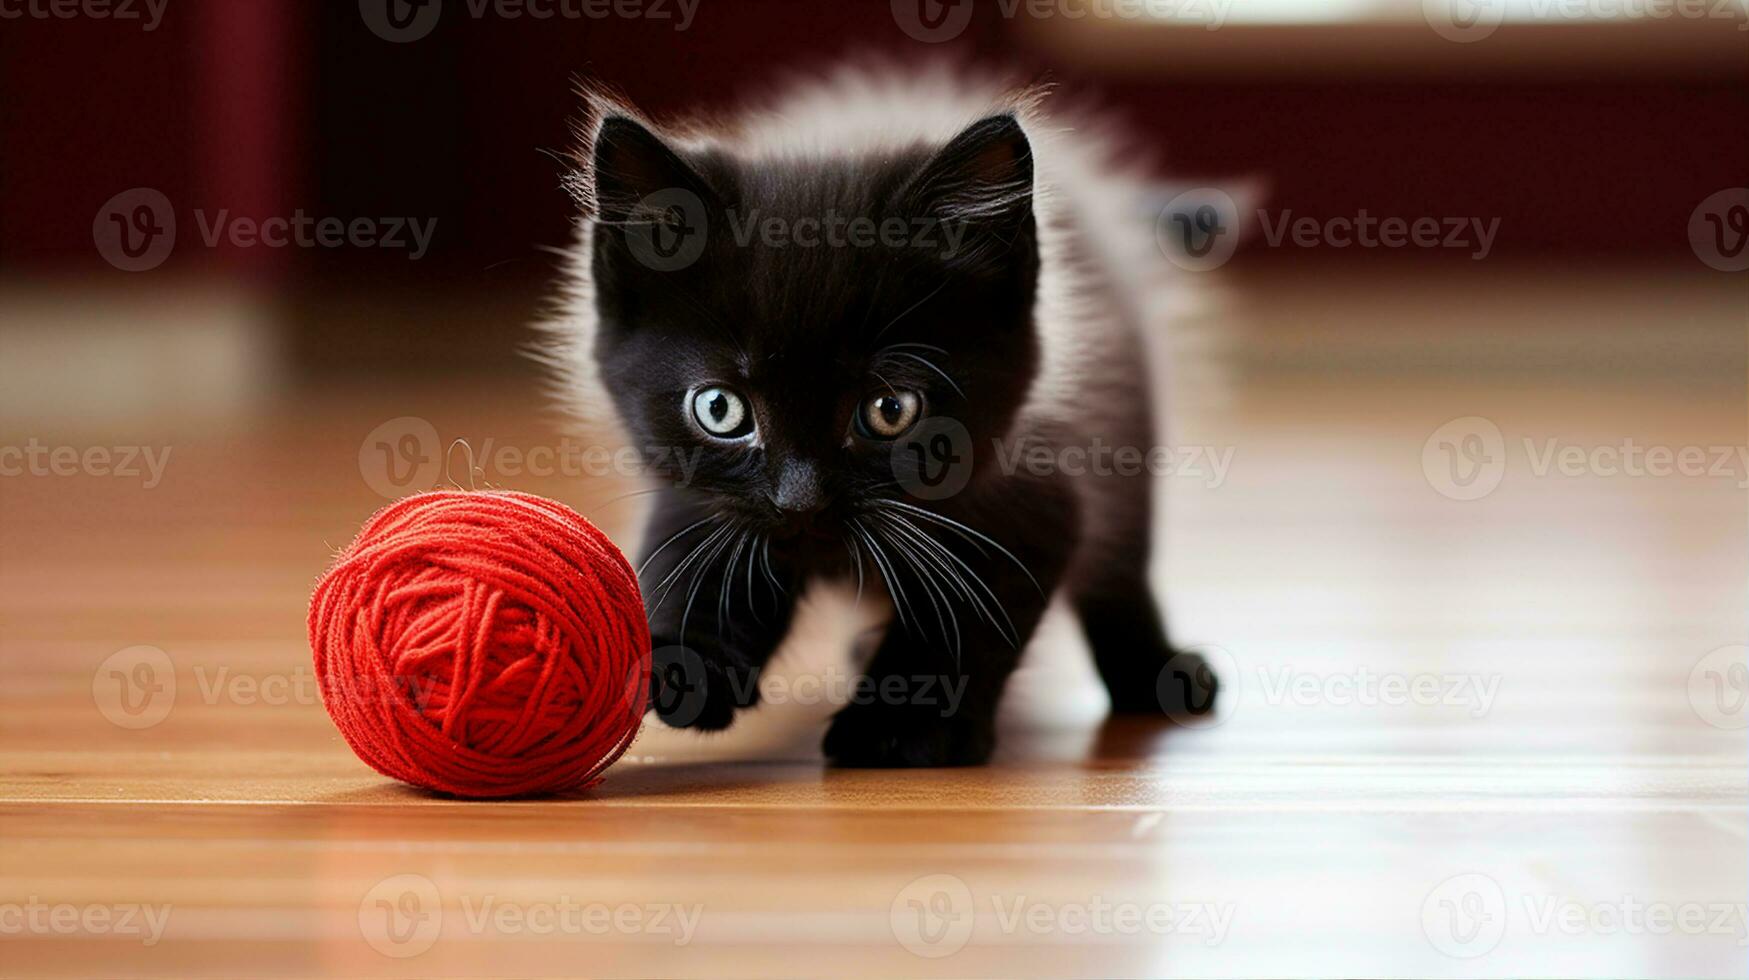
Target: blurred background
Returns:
[1589, 130]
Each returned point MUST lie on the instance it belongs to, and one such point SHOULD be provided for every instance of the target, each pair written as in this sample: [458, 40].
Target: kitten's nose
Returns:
[798, 490]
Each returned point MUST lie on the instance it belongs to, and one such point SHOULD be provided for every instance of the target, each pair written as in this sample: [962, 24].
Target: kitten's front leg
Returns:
[934, 684]
[718, 608]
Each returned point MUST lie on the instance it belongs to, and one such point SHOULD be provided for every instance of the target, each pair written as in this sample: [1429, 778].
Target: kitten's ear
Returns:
[630, 163]
[983, 176]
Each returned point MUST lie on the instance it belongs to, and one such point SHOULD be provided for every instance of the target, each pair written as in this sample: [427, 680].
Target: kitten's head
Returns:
[783, 325]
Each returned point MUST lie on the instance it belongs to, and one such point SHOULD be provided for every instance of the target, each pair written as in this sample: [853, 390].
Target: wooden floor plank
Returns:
[1577, 759]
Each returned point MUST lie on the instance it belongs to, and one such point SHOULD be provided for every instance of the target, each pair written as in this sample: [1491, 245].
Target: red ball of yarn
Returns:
[483, 644]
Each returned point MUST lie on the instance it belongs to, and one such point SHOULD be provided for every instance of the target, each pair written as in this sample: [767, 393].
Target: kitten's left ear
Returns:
[983, 176]
[631, 164]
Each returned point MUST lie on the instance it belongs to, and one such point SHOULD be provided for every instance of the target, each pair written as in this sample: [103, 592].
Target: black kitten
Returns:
[887, 340]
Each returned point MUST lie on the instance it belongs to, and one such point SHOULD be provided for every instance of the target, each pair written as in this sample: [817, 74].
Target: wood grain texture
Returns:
[1566, 752]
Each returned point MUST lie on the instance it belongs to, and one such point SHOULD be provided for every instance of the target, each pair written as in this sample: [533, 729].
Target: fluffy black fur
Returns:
[807, 337]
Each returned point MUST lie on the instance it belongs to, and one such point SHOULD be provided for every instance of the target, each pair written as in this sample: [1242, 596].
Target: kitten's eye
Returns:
[889, 414]
[721, 413]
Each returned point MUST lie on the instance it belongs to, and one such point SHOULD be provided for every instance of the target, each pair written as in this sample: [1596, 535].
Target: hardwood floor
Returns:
[1500, 736]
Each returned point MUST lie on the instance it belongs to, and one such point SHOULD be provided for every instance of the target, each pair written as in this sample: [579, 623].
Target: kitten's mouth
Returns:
[806, 529]
[810, 530]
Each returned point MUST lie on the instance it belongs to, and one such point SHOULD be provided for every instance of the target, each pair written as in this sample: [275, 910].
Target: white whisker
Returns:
[930, 515]
[668, 583]
[698, 580]
[727, 586]
[896, 591]
[926, 362]
[925, 578]
[672, 538]
[855, 556]
[938, 552]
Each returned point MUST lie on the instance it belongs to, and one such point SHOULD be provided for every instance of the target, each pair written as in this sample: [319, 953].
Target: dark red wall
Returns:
[267, 105]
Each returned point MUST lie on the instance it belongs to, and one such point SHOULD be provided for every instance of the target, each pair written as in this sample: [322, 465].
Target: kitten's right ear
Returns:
[982, 176]
[629, 164]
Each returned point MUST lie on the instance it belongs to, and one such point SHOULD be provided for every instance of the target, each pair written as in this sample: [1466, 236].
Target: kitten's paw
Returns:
[1184, 688]
[879, 737]
[688, 690]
